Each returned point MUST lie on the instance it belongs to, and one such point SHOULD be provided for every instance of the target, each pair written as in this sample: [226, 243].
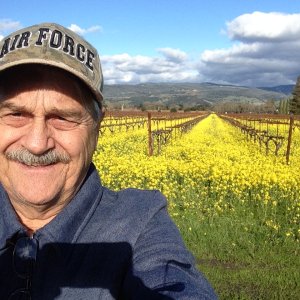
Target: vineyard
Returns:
[231, 190]
[271, 131]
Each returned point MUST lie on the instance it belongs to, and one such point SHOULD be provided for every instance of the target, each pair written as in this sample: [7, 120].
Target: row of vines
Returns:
[273, 133]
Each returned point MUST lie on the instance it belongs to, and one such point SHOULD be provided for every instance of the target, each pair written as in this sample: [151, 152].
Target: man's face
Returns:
[40, 118]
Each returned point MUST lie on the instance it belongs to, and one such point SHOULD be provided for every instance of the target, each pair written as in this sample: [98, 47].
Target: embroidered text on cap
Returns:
[56, 39]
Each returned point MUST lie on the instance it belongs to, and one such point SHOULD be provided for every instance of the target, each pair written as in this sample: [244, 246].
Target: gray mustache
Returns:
[48, 158]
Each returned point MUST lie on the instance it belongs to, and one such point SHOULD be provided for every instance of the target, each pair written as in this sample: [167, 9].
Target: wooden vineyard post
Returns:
[150, 144]
[288, 149]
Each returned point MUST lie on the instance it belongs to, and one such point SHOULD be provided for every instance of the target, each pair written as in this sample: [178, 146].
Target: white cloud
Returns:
[124, 68]
[175, 55]
[260, 26]
[83, 31]
[267, 51]
[7, 26]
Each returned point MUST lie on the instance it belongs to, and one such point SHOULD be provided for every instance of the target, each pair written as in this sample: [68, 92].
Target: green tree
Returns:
[281, 106]
[287, 105]
[295, 101]
[284, 105]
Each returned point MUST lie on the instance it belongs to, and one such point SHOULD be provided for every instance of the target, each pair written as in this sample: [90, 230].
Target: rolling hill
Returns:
[189, 94]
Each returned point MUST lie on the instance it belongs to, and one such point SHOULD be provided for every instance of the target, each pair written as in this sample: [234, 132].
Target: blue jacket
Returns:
[103, 245]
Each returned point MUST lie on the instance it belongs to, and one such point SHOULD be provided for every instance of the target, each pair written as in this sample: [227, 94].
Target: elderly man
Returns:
[62, 234]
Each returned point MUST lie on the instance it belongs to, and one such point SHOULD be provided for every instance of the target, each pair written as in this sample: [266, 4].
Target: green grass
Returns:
[241, 256]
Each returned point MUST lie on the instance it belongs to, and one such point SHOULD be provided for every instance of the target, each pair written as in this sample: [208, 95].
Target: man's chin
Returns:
[37, 189]
[41, 198]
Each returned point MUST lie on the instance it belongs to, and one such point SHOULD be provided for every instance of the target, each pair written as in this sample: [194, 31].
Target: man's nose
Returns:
[38, 139]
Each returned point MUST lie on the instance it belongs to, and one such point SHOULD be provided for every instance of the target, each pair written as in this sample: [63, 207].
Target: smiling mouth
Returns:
[35, 165]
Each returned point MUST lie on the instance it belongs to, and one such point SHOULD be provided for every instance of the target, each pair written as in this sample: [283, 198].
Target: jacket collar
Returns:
[67, 225]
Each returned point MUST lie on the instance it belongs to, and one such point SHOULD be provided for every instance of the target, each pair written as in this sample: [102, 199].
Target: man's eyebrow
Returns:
[65, 113]
[11, 106]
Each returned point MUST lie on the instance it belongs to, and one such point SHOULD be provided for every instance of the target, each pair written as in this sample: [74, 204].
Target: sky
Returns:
[241, 42]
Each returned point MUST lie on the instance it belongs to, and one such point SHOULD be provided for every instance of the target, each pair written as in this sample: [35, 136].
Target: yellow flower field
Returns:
[210, 170]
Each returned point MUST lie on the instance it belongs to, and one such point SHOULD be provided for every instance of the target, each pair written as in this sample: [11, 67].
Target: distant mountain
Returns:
[285, 89]
[187, 94]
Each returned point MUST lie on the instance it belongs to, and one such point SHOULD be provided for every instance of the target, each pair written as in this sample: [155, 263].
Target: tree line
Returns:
[285, 106]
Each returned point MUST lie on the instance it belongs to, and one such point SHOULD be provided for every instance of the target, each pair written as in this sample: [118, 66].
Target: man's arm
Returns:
[162, 267]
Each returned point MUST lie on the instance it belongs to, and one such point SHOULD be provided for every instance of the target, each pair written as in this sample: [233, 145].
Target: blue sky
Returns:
[244, 42]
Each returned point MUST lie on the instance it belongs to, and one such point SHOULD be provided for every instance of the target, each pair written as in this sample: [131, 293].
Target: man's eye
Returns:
[15, 119]
[62, 123]
[61, 119]
[16, 114]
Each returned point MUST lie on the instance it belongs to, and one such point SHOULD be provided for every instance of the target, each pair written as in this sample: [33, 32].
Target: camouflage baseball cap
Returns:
[55, 45]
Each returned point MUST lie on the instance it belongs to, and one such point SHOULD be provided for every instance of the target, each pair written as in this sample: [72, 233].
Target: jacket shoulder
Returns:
[136, 202]
[130, 210]
[137, 196]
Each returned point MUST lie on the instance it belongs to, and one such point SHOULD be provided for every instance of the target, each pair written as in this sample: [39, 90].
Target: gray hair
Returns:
[48, 158]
